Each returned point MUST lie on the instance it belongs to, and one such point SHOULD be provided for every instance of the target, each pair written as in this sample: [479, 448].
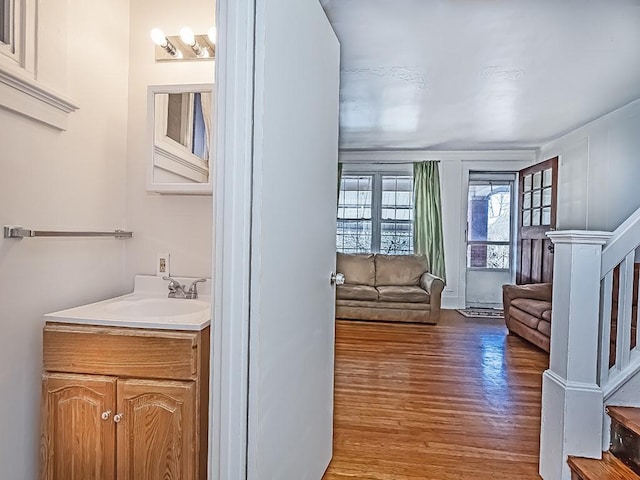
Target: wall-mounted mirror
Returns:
[180, 121]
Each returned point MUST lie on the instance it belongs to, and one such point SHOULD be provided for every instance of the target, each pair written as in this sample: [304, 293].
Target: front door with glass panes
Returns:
[538, 194]
[489, 237]
[375, 212]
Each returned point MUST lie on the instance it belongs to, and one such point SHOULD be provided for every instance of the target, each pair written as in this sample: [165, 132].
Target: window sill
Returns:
[24, 95]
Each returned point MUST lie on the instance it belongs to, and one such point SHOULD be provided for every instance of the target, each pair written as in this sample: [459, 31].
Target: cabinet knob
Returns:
[117, 417]
[106, 415]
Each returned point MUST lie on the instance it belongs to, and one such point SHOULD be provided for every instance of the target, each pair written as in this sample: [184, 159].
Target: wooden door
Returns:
[156, 430]
[293, 245]
[538, 195]
[78, 432]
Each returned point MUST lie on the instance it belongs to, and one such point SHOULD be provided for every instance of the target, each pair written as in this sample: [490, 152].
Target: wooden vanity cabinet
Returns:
[124, 403]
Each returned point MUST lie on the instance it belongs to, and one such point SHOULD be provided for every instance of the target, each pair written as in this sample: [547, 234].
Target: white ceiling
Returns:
[481, 74]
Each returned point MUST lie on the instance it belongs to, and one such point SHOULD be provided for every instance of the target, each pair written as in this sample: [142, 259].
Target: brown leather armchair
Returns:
[527, 312]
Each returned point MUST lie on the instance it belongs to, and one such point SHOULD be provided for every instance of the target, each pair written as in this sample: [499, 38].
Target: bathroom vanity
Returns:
[125, 388]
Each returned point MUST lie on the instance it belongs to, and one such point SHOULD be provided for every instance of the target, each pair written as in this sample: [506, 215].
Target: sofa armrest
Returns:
[533, 291]
[433, 286]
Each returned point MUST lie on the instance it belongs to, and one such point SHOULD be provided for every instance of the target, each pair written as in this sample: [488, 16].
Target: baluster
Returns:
[606, 289]
[625, 300]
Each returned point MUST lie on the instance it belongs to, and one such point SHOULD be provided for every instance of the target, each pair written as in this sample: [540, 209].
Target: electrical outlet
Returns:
[162, 265]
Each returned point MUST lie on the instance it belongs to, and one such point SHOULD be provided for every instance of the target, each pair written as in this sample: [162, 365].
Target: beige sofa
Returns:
[395, 288]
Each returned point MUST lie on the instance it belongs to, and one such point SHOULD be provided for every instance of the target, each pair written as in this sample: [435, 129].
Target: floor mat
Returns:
[481, 312]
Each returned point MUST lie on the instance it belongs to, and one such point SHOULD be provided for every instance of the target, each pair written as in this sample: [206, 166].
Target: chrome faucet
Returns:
[193, 289]
[176, 289]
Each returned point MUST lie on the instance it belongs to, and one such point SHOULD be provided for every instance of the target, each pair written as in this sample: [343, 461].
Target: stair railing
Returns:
[619, 353]
[594, 340]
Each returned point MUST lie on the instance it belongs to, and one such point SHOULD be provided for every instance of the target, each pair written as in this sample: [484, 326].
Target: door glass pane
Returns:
[526, 218]
[498, 256]
[547, 177]
[488, 256]
[526, 200]
[527, 183]
[537, 180]
[489, 212]
[535, 217]
[546, 216]
[546, 197]
[536, 198]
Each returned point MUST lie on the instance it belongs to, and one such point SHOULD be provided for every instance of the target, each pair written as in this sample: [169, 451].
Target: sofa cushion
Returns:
[545, 328]
[358, 269]
[533, 307]
[407, 293]
[384, 305]
[400, 270]
[546, 315]
[525, 318]
[356, 292]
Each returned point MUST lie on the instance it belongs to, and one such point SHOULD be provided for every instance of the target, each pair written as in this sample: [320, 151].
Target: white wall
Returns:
[599, 171]
[454, 183]
[60, 180]
[177, 224]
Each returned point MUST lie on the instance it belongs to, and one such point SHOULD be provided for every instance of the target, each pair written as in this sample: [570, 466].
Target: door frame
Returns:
[513, 184]
[518, 161]
[233, 172]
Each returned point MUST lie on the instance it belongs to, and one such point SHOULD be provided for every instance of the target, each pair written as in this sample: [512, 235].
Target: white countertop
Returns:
[146, 307]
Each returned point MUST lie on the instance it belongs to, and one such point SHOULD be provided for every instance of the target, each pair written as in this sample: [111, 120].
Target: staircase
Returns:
[595, 357]
[622, 461]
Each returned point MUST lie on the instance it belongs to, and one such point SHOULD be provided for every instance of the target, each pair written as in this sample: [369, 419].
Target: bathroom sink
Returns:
[146, 307]
[156, 307]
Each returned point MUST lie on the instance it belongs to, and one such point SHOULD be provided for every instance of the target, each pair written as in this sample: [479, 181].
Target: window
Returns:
[375, 213]
[23, 60]
[7, 24]
[489, 225]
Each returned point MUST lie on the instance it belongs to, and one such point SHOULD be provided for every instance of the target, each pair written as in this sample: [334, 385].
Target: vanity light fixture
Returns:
[212, 34]
[186, 46]
[189, 39]
[158, 37]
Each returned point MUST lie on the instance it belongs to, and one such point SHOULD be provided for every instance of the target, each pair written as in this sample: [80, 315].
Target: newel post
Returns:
[571, 397]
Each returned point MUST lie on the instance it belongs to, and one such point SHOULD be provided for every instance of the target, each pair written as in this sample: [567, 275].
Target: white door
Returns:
[293, 242]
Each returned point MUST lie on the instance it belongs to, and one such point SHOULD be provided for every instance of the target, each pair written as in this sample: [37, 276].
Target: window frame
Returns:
[8, 49]
[377, 172]
[20, 90]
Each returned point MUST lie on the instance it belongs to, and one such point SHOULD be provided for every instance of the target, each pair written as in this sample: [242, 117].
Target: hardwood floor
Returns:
[457, 400]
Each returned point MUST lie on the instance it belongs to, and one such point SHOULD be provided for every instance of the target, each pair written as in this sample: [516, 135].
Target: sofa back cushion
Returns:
[358, 268]
[400, 269]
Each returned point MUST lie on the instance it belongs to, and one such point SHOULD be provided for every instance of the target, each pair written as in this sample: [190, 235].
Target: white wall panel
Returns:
[178, 224]
[599, 171]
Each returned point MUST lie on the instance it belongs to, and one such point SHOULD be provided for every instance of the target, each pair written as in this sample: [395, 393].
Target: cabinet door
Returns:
[78, 432]
[156, 430]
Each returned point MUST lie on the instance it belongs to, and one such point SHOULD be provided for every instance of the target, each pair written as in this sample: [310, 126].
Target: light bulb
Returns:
[187, 36]
[158, 37]
[212, 34]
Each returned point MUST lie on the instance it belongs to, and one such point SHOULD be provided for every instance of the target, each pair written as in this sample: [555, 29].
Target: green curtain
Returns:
[427, 229]
[339, 179]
